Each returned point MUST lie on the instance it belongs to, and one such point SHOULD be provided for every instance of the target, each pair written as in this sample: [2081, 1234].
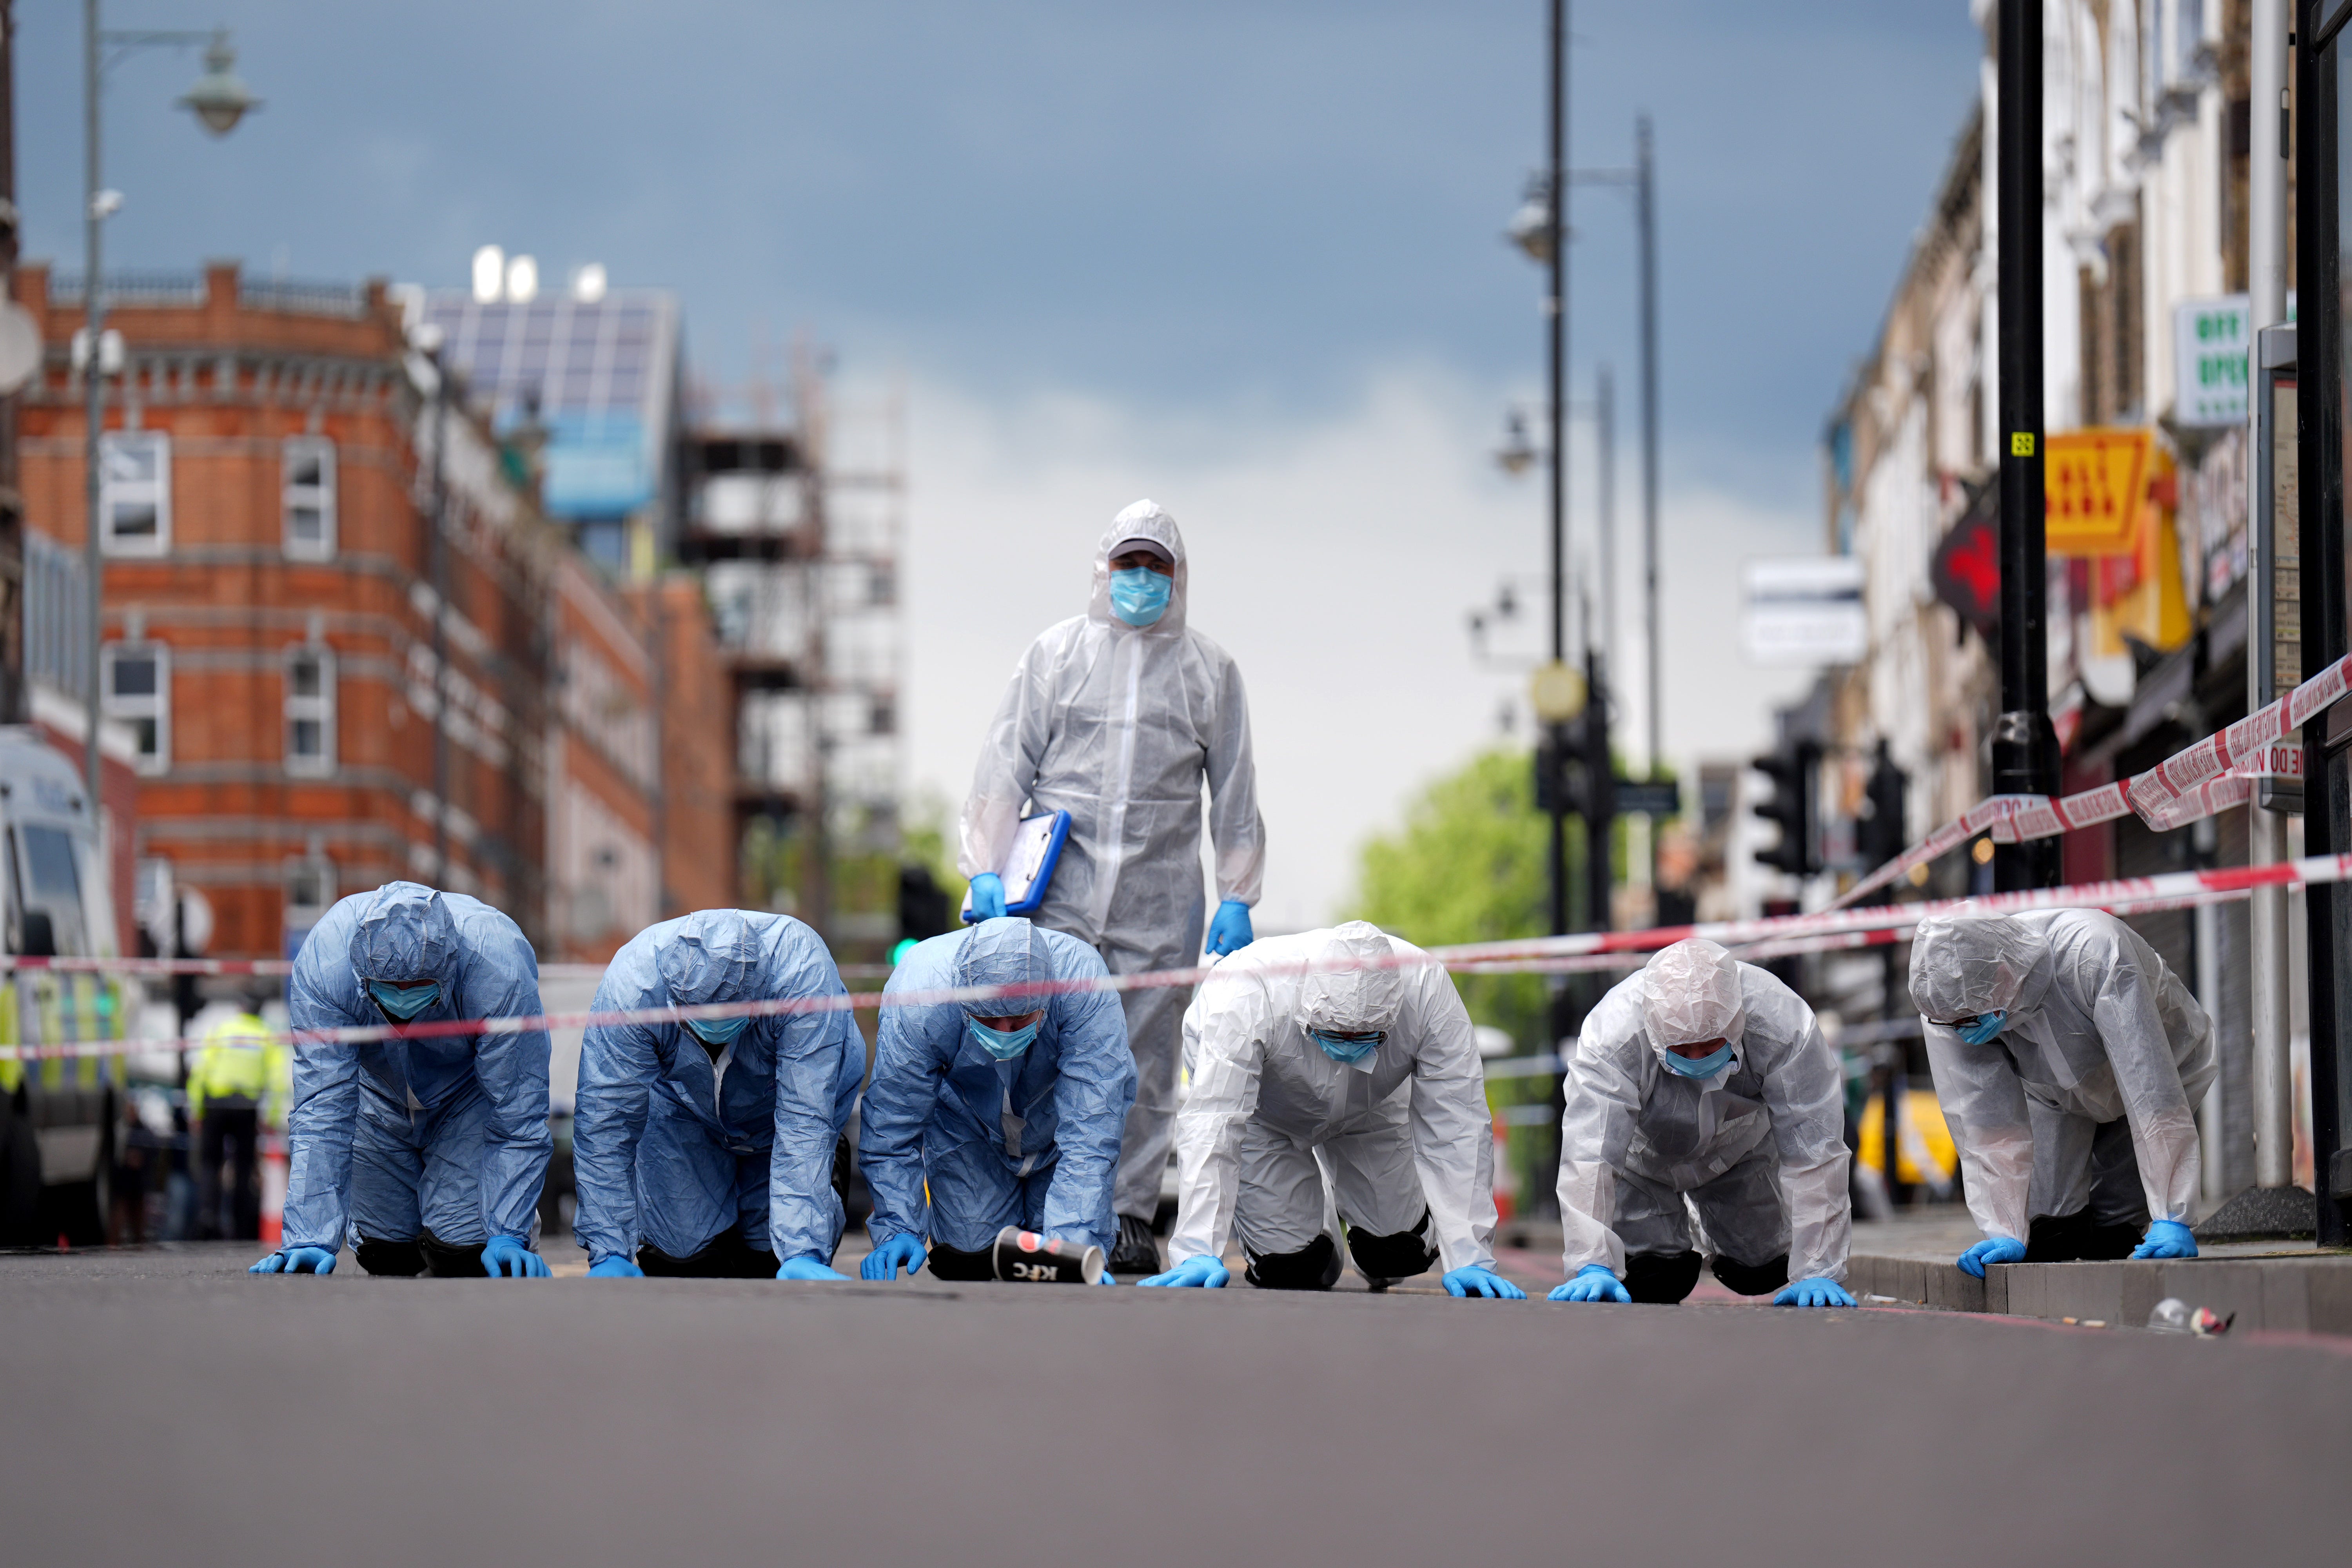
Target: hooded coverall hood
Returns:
[1006, 951]
[1691, 992]
[1144, 520]
[405, 936]
[1965, 966]
[1354, 987]
[712, 956]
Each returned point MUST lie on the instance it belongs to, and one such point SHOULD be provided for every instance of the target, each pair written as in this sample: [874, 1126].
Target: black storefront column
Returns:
[2320, 218]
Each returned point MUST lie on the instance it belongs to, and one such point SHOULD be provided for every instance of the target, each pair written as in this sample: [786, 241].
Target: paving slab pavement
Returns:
[165, 1406]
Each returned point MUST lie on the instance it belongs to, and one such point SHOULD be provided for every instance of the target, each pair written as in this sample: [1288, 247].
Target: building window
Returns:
[134, 493]
[137, 694]
[310, 893]
[310, 497]
[310, 709]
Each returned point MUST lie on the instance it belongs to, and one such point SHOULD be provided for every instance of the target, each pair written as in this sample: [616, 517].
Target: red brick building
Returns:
[277, 645]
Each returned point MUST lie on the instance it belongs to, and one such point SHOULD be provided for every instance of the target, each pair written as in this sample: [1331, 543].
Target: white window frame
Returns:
[155, 706]
[113, 492]
[318, 707]
[319, 497]
[298, 867]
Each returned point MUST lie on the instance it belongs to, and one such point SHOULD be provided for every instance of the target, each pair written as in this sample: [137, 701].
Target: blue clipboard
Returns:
[1028, 870]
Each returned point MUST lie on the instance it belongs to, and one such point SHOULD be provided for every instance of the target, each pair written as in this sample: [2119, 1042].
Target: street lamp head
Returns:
[1530, 228]
[1517, 454]
[219, 100]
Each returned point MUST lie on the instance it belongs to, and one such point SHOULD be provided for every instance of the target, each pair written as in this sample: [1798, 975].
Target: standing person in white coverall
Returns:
[1704, 1078]
[1117, 717]
[1340, 1056]
[2069, 1061]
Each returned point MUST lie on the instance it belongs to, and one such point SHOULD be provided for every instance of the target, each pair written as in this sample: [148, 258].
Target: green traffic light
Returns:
[898, 953]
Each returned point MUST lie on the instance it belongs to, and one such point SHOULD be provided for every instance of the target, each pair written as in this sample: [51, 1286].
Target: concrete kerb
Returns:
[2303, 1294]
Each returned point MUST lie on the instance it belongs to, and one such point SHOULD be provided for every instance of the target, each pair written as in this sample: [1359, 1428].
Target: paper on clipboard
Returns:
[1028, 869]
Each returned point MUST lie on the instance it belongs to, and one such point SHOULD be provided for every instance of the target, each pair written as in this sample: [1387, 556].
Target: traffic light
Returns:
[922, 903]
[1881, 834]
[1795, 771]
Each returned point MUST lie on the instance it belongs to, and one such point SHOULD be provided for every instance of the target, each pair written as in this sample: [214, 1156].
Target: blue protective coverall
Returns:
[675, 1147]
[445, 1133]
[1031, 1141]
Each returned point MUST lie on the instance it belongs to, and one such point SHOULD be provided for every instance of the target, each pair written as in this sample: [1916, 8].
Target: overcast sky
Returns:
[1242, 258]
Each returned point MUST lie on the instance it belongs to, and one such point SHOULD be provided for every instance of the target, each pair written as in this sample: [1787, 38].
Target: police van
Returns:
[58, 1116]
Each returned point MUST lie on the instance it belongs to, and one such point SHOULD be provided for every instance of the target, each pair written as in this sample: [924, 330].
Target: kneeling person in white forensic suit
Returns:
[1340, 1057]
[1704, 1078]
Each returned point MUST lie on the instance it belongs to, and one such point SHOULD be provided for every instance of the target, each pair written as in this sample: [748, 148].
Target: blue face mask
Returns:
[1707, 1065]
[1984, 1030]
[1139, 594]
[1341, 1049]
[716, 1031]
[1004, 1043]
[404, 1002]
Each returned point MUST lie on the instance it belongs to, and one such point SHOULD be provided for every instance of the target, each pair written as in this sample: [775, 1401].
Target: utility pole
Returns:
[2272, 1092]
[1646, 209]
[14, 700]
[1556, 313]
[2024, 746]
[1605, 434]
[93, 391]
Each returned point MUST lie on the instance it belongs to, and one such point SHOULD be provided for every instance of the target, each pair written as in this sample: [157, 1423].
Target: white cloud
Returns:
[1337, 561]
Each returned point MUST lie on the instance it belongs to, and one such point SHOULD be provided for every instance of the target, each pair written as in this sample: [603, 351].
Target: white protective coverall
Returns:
[1759, 1146]
[1268, 1113]
[2098, 1030]
[1119, 726]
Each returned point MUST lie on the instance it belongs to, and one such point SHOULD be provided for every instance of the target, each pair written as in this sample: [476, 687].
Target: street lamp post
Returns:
[219, 101]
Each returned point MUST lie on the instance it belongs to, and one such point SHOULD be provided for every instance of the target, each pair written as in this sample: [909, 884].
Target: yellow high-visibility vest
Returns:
[234, 1061]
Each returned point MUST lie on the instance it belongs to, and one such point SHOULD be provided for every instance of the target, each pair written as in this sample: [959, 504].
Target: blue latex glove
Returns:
[1813, 1293]
[505, 1258]
[1201, 1270]
[1472, 1280]
[296, 1260]
[987, 897]
[808, 1265]
[1999, 1249]
[615, 1268]
[885, 1261]
[2167, 1239]
[1108, 1279]
[1229, 931]
[1594, 1282]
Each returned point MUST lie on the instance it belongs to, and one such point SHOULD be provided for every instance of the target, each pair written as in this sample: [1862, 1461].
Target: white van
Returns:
[58, 1116]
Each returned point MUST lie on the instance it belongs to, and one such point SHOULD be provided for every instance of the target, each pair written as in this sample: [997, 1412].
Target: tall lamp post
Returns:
[219, 101]
[2024, 746]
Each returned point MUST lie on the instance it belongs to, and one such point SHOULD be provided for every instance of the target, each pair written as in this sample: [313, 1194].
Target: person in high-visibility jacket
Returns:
[226, 1086]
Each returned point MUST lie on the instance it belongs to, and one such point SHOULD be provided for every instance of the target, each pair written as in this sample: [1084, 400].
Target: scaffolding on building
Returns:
[794, 510]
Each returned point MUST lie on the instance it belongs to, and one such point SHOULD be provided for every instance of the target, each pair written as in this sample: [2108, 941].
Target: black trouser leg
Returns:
[403, 1259]
[212, 1132]
[1398, 1256]
[1662, 1279]
[954, 1263]
[1752, 1278]
[1315, 1267]
[726, 1256]
[448, 1260]
[245, 1190]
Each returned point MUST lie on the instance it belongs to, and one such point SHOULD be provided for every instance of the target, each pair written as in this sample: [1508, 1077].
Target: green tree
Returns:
[1468, 866]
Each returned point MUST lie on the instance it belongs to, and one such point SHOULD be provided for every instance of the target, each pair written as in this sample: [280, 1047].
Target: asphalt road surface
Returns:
[163, 1406]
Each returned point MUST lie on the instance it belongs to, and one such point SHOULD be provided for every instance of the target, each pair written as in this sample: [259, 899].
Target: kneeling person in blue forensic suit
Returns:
[433, 1148]
[1345, 1057]
[712, 1147]
[1009, 1111]
[1704, 1079]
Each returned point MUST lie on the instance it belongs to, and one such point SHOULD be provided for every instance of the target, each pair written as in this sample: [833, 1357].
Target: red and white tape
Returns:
[2213, 775]
[1771, 936]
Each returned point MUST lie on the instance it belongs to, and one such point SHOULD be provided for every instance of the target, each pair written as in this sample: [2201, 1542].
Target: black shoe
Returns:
[1136, 1256]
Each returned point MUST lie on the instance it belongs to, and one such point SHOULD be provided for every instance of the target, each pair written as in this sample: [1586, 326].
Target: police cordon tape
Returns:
[1822, 931]
[2213, 775]
[279, 968]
